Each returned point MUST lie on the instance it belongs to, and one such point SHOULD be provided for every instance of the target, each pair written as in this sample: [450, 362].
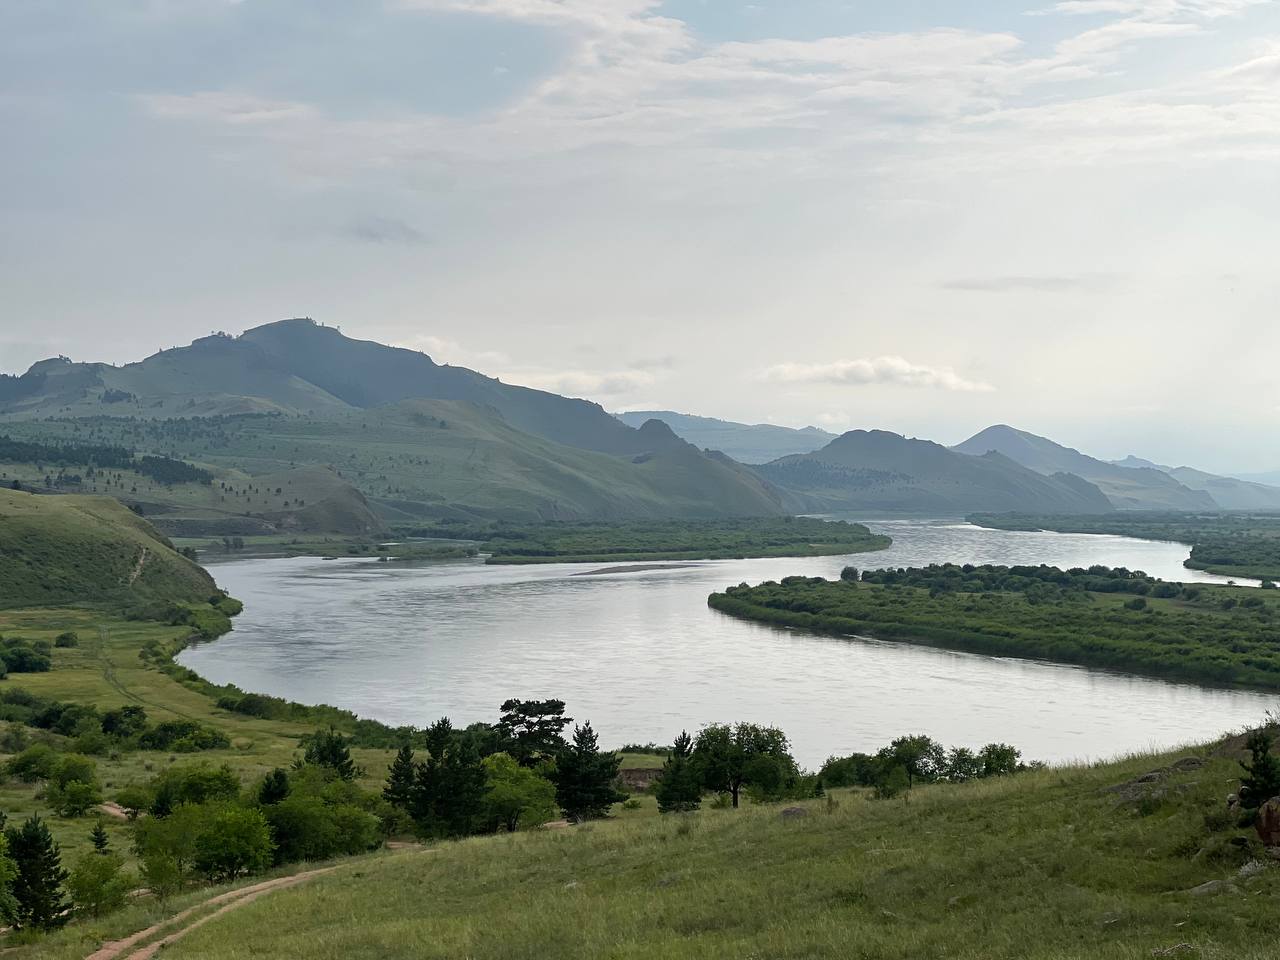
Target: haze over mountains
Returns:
[325, 430]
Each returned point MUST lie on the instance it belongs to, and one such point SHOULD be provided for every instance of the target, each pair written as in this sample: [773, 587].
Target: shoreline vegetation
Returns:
[1245, 545]
[636, 541]
[1100, 617]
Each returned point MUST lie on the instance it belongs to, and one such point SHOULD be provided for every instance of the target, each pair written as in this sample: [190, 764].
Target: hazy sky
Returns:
[921, 215]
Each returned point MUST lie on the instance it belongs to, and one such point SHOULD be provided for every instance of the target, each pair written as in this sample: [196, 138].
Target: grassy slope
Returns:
[1043, 865]
[63, 549]
[426, 458]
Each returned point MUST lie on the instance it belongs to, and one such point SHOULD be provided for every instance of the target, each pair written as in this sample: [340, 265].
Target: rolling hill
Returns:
[1127, 488]
[746, 443]
[65, 549]
[296, 394]
[885, 472]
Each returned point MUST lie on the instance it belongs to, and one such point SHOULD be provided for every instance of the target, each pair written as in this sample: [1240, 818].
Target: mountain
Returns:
[1127, 488]
[295, 394]
[885, 472]
[68, 549]
[1230, 493]
[1270, 479]
[744, 442]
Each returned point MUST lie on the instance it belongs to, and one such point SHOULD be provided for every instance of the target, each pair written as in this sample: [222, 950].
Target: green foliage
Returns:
[449, 788]
[232, 841]
[595, 541]
[728, 758]
[38, 884]
[1262, 769]
[68, 638]
[167, 845]
[75, 798]
[515, 797]
[98, 883]
[37, 762]
[1233, 544]
[275, 787]
[1071, 616]
[191, 784]
[679, 789]
[584, 777]
[98, 836]
[306, 828]
[532, 730]
[400, 779]
[329, 748]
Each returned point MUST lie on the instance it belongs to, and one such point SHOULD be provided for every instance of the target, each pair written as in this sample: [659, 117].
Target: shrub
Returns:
[98, 883]
[195, 784]
[37, 762]
[75, 798]
[231, 842]
[68, 639]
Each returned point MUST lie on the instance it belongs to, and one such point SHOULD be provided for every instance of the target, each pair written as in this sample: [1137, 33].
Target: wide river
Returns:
[641, 655]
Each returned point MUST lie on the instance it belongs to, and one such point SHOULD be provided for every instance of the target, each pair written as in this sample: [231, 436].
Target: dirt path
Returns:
[137, 570]
[113, 810]
[185, 923]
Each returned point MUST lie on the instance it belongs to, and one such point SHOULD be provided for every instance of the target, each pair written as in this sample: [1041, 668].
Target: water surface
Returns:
[642, 656]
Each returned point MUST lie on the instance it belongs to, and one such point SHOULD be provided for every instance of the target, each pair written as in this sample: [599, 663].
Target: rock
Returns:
[1273, 853]
[1187, 763]
[1268, 823]
[1251, 869]
[1177, 950]
[1214, 887]
[794, 813]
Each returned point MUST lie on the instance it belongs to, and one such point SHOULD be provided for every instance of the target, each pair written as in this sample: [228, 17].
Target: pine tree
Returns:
[680, 787]
[99, 837]
[38, 886]
[328, 748]
[275, 788]
[399, 789]
[584, 777]
[448, 791]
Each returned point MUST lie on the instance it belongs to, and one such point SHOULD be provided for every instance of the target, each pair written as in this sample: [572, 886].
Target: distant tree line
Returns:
[165, 470]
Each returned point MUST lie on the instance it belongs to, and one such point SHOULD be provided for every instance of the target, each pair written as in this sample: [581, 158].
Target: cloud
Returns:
[388, 230]
[1043, 284]
[444, 350]
[581, 383]
[876, 370]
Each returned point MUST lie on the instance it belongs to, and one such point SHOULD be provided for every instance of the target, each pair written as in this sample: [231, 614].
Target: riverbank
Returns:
[1113, 620]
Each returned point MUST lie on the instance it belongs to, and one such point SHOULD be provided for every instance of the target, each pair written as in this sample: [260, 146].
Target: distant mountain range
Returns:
[1132, 483]
[876, 471]
[303, 429]
[744, 442]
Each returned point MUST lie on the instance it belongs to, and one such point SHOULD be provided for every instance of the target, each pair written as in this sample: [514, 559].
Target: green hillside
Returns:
[76, 549]
[884, 472]
[1084, 863]
[414, 460]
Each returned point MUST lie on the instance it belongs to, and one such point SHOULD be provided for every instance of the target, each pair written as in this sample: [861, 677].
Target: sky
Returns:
[918, 215]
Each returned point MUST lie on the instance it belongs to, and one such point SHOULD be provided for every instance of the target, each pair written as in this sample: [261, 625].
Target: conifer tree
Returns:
[680, 788]
[328, 748]
[99, 837]
[399, 789]
[584, 777]
[38, 886]
[275, 788]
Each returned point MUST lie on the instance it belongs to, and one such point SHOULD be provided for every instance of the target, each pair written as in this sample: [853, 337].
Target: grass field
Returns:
[1047, 865]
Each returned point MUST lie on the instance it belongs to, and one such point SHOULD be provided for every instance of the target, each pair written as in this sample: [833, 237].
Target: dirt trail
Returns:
[224, 902]
[137, 571]
[113, 810]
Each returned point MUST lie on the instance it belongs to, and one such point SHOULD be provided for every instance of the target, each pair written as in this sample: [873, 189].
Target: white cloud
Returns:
[876, 370]
[581, 383]
[444, 350]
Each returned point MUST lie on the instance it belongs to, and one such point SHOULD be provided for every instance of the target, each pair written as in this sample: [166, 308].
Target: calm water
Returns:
[642, 656]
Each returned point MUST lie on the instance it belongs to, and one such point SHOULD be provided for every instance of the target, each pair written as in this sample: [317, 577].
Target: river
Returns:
[641, 656]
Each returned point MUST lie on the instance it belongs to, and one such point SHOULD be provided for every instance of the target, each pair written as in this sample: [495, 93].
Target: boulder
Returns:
[1213, 887]
[794, 813]
[1268, 823]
